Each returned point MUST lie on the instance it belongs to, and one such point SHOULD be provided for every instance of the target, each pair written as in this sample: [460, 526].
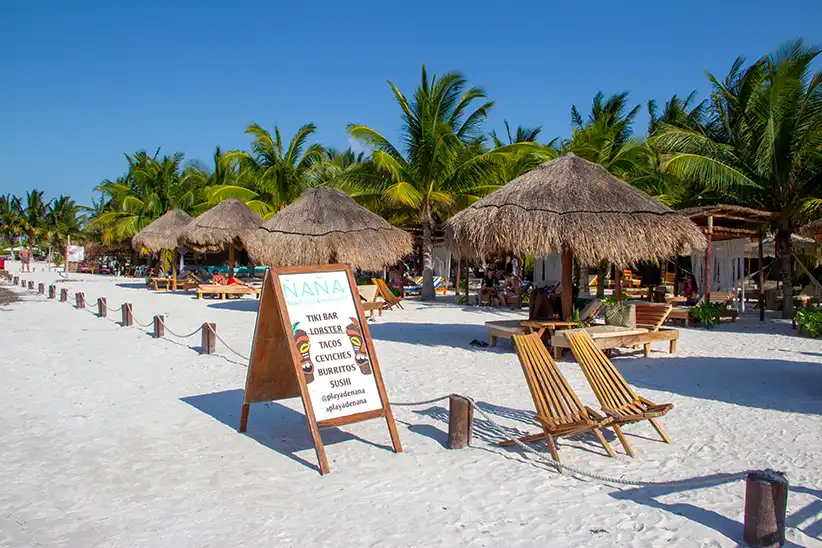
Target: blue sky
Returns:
[83, 82]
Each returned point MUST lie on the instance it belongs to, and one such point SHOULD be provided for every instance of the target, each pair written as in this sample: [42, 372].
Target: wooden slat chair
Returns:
[386, 294]
[558, 408]
[615, 395]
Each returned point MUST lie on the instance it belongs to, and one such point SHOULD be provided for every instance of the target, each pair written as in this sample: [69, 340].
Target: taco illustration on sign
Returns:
[303, 347]
[360, 355]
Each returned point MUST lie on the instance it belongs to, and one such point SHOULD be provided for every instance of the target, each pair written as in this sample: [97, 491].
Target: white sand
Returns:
[111, 438]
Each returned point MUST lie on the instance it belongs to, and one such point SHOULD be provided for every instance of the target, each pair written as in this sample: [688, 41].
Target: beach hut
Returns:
[326, 226]
[220, 227]
[576, 208]
[163, 233]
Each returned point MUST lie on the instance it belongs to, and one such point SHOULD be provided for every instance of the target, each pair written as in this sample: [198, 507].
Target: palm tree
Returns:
[150, 188]
[762, 146]
[278, 175]
[529, 158]
[33, 215]
[10, 220]
[443, 162]
[63, 220]
[683, 113]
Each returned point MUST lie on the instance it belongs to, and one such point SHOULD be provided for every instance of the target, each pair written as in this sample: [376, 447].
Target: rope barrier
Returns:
[163, 321]
[219, 338]
[149, 324]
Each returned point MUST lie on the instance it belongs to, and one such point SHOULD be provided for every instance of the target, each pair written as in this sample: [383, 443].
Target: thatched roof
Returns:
[734, 212]
[163, 232]
[219, 226]
[812, 230]
[575, 204]
[326, 226]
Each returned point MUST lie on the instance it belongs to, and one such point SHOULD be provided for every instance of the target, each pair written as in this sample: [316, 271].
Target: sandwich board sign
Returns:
[311, 340]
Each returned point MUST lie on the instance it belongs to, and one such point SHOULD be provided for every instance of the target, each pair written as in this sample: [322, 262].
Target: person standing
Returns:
[25, 259]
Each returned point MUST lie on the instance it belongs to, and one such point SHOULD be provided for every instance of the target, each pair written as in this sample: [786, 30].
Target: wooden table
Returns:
[541, 326]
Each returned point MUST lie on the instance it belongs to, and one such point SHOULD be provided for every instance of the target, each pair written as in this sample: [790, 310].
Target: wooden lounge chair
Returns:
[559, 410]
[683, 313]
[504, 329]
[615, 395]
[383, 291]
[224, 290]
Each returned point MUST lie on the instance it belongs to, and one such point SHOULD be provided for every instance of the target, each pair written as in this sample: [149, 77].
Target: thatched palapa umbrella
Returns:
[221, 226]
[575, 207]
[163, 233]
[327, 226]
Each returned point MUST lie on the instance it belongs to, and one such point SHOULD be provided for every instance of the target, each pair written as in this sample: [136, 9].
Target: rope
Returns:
[246, 358]
[163, 321]
[572, 469]
[149, 324]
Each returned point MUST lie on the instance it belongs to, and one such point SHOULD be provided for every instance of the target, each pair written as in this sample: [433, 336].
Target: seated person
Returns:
[690, 291]
[510, 291]
[489, 285]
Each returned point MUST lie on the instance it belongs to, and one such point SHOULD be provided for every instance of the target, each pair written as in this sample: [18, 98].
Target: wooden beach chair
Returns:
[225, 290]
[615, 395]
[383, 291]
[559, 410]
[683, 313]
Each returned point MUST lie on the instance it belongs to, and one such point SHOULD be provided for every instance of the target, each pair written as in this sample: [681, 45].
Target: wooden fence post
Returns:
[127, 319]
[460, 422]
[159, 327]
[15, 280]
[52, 291]
[80, 300]
[41, 288]
[31, 285]
[766, 503]
[63, 295]
[101, 307]
[209, 341]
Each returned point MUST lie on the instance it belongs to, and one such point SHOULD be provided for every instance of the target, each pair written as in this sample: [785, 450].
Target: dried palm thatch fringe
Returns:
[220, 226]
[570, 203]
[163, 232]
[326, 226]
[812, 230]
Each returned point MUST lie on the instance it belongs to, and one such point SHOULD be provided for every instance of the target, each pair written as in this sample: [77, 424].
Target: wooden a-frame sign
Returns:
[311, 340]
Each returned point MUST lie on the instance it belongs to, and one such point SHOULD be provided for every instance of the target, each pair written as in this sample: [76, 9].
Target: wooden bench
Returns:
[224, 290]
[504, 329]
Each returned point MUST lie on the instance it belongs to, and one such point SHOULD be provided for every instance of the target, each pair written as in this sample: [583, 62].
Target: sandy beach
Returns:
[112, 438]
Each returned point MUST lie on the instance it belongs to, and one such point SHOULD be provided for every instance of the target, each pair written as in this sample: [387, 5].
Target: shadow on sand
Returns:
[270, 424]
[243, 305]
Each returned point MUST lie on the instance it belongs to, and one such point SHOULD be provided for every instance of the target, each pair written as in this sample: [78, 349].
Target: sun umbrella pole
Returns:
[618, 283]
[231, 260]
[567, 287]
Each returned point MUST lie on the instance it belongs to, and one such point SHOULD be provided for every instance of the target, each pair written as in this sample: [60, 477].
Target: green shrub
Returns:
[707, 314]
[810, 319]
[611, 300]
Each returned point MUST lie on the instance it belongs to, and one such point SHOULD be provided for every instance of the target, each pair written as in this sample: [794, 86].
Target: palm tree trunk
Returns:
[427, 263]
[785, 257]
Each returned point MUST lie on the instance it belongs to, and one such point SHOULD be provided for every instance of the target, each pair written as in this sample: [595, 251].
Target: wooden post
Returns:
[676, 277]
[80, 300]
[63, 295]
[709, 251]
[618, 283]
[460, 422]
[244, 418]
[41, 288]
[766, 502]
[102, 309]
[761, 278]
[159, 327]
[52, 291]
[567, 284]
[209, 341]
[127, 318]
[15, 280]
[231, 260]
[174, 270]
[31, 285]
[459, 278]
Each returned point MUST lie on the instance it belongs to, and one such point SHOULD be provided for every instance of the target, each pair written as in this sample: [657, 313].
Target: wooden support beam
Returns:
[567, 296]
[159, 326]
[460, 422]
[80, 300]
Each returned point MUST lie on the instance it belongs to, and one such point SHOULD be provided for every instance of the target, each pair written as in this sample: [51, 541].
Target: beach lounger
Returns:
[440, 286]
[615, 395]
[224, 290]
[649, 320]
[683, 313]
[504, 329]
[383, 291]
[559, 410]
